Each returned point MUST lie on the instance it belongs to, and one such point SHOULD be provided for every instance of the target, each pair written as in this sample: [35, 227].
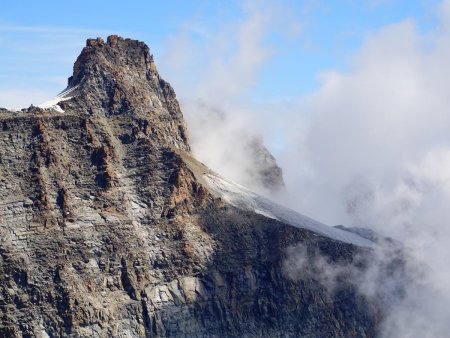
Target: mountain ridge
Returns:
[108, 227]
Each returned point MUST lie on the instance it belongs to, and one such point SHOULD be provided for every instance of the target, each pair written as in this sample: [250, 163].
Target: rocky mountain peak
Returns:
[265, 170]
[119, 77]
[130, 55]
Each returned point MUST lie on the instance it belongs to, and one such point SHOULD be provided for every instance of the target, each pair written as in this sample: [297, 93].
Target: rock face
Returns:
[108, 230]
[118, 79]
[266, 170]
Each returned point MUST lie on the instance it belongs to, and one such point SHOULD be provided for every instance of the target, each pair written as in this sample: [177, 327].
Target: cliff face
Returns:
[266, 171]
[109, 229]
[118, 80]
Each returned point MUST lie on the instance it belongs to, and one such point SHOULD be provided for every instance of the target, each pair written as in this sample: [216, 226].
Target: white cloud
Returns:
[371, 147]
[378, 148]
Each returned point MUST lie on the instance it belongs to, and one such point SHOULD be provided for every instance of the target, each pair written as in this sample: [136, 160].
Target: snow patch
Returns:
[244, 199]
[53, 103]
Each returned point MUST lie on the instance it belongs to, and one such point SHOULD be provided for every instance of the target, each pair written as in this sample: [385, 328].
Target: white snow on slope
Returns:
[244, 199]
[53, 103]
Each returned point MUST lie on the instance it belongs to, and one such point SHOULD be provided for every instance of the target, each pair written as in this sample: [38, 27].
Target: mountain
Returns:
[265, 170]
[110, 228]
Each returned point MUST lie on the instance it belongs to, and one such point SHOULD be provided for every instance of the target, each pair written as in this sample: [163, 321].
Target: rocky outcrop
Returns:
[264, 170]
[108, 230]
[117, 79]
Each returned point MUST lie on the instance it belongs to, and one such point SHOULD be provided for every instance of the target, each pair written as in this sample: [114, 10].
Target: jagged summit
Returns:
[114, 68]
[99, 57]
[120, 77]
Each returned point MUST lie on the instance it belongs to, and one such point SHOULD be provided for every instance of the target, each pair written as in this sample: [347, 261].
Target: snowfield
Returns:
[244, 199]
[53, 103]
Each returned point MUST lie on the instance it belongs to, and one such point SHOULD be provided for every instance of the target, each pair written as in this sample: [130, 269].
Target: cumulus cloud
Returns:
[378, 153]
[370, 147]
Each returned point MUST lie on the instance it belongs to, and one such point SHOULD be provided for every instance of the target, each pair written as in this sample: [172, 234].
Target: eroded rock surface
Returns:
[107, 231]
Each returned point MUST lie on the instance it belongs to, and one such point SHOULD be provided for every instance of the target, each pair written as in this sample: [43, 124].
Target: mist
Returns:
[369, 148]
[214, 79]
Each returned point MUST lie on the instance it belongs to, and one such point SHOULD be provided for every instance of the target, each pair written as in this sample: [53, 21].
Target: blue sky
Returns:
[40, 40]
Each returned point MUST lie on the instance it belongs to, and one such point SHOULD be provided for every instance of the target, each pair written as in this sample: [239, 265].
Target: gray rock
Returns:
[27, 202]
[265, 169]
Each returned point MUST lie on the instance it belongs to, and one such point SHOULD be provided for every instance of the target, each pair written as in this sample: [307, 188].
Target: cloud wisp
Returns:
[369, 148]
[378, 149]
[215, 77]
